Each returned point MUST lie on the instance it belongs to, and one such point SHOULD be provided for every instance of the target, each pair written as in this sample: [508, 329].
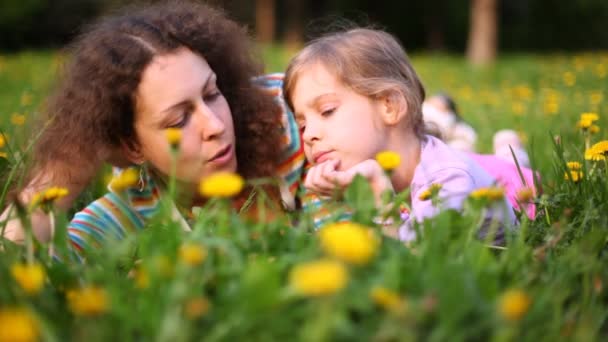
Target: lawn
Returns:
[235, 279]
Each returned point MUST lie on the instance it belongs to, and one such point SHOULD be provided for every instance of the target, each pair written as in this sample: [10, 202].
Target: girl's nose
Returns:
[311, 132]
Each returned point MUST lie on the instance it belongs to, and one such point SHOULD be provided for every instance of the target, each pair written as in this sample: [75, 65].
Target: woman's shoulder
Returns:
[115, 214]
[270, 82]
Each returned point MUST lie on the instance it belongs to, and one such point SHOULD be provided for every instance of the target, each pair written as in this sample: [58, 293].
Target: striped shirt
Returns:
[117, 214]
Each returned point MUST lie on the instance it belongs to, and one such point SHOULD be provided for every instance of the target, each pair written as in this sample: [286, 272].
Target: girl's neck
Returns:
[408, 147]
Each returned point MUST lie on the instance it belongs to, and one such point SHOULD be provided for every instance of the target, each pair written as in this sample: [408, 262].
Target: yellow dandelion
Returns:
[569, 79]
[492, 193]
[196, 307]
[388, 160]
[598, 151]
[164, 266]
[523, 92]
[584, 124]
[141, 278]
[496, 193]
[222, 184]
[30, 277]
[432, 190]
[46, 198]
[573, 175]
[591, 154]
[318, 278]
[88, 301]
[2, 140]
[518, 108]
[17, 119]
[574, 165]
[125, 179]
[3, 155]
[388, 299]
[26, 99]
[594, 129]
[551, 107]
[466, 93]
[513, 304]
[174, 136]
[192, 254]
[480, 193]
[18, 324]
[596, 97]
[349, 242]
[600, 70]
[525, 194]
[593, 117]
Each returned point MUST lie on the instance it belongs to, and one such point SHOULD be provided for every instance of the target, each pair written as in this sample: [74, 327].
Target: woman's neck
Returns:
[185, 197]
[408, 146]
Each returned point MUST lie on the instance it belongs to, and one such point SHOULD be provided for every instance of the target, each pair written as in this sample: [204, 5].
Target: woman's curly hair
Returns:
[92, 109]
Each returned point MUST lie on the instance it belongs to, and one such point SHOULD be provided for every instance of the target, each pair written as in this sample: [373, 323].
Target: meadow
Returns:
[232, 278]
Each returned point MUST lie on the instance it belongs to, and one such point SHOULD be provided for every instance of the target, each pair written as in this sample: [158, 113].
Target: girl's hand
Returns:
[320, 178]
[324, 179]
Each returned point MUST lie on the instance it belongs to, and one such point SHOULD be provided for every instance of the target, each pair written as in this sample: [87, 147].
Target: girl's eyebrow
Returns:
[313, 103]
[318, 98]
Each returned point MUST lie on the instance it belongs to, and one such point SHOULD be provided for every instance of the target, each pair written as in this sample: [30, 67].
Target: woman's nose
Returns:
[210, 123]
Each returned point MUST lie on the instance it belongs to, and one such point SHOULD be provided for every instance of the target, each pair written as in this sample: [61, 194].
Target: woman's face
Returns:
[179, 90]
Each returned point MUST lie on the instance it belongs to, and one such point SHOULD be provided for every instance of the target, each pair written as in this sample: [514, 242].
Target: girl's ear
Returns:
[394, 108]
[132, 152]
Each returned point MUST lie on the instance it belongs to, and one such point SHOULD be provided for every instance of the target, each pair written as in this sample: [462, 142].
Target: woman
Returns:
[131, 77]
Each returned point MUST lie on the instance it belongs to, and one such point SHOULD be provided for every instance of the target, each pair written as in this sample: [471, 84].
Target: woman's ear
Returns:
[131, 150]
[394, 108]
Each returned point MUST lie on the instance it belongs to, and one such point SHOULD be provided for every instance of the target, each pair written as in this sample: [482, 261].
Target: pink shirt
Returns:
[508, 177]
[458, 175]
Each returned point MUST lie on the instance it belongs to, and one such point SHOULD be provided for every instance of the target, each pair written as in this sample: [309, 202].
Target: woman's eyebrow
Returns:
[211, 78]
[175, 106]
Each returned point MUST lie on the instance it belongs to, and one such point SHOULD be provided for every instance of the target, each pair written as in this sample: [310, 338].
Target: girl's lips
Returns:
[223, 156]
[321, 157]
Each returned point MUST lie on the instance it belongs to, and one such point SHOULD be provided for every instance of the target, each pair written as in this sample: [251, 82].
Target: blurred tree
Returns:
[265, 20]
[294, 23]
[482, 42]
[435, 24]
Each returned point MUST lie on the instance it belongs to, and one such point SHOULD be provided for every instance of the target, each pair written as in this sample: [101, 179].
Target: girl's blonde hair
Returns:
[370, 62]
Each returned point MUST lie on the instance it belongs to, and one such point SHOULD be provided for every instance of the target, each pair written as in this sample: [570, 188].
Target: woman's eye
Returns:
[212, 95]
[182, 122]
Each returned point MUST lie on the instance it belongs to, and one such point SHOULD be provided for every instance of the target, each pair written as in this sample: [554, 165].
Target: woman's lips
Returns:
[223, 156]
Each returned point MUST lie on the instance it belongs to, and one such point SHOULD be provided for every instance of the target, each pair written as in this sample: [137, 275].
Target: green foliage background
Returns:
[452, 283]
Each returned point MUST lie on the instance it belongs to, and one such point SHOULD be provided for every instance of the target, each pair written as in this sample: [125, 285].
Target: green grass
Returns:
[448, 285]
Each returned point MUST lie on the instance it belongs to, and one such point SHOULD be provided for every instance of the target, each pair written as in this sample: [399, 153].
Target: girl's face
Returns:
[179, 90]
[336, 122]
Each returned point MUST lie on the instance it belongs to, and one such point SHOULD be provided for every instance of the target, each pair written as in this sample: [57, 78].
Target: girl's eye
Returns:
[328, 112]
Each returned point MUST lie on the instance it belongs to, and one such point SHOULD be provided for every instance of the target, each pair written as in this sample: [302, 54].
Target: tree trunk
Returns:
[482, 43]
[265, 20]
[294, 24]
[435, 16]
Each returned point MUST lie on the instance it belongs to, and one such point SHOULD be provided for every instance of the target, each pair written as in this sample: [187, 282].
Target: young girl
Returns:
[131, 77]
[355, 94]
